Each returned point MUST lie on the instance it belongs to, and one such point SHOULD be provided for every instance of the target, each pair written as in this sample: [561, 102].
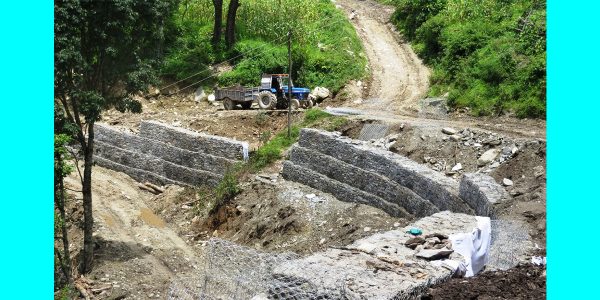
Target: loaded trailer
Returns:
[271, 94]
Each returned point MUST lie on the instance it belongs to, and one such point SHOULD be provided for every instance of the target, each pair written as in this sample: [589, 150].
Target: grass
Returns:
[212, 199]
[273, 149]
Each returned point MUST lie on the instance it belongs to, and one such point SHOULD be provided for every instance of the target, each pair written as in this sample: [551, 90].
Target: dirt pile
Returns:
[523, 282]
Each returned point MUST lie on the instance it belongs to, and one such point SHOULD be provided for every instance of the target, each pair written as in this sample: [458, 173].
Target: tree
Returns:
[104, 53]
[216, 38]
[230, 27]
[61, 170]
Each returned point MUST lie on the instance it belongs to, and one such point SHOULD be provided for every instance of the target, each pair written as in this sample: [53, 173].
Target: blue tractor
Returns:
[271, 94]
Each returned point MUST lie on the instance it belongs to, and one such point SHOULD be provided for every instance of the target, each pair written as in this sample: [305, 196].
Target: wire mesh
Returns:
[237, 272]
[510, 244]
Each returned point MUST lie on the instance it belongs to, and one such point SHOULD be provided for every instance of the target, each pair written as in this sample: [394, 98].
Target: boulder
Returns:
[487, 157]
[320, 93]
[200, 95]
[449, 131]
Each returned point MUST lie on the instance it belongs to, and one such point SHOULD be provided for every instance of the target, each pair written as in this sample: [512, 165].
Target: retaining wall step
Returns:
[183, 157]
[367, 181]
[482, 193]
[428, 184]
[341, 191]
[156, 165]
[193, 141]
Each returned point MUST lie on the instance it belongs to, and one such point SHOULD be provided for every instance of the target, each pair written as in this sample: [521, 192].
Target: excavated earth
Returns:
[145, 241]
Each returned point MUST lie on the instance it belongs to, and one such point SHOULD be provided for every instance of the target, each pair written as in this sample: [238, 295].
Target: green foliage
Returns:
[105, 51]
[227, 188]
[489, 55]
[323, 42]
[272, 150]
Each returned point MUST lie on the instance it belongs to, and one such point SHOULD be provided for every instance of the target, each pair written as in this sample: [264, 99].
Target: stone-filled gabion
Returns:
[164, 154]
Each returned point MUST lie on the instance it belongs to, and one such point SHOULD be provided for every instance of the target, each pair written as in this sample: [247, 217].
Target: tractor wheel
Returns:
[295, 104]
[266, 100]
[228, 104]
[247, 104]
[308, 103]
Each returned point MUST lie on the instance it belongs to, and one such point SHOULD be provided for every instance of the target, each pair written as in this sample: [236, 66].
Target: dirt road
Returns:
[399, 78]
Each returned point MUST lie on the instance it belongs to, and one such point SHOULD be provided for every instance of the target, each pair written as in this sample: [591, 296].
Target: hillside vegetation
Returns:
[323, 43]
[488, 55]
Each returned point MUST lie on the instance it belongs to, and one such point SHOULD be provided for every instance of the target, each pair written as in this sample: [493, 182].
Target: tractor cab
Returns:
[278, 85]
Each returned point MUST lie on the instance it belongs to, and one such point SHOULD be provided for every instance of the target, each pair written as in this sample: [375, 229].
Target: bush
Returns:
[323, 41]
[489, 55]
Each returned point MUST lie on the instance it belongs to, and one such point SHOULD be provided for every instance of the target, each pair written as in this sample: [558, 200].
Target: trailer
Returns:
[271, 94]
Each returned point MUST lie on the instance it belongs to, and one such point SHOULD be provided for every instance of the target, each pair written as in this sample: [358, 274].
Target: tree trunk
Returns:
[230, 29]
[59, 199]
[88, 221]
[218, 4]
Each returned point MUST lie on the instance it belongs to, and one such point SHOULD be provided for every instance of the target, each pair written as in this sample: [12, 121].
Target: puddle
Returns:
[150, 218]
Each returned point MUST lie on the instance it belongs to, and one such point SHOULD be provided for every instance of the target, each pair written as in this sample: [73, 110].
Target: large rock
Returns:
[200, 95]
[487, 157]
[320, 93]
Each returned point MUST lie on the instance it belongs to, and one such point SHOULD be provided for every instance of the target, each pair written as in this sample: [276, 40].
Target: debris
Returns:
[457, 167]
[538, 260]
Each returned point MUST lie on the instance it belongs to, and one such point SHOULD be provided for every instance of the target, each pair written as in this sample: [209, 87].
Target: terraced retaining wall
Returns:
[164, 154]
[353, 171]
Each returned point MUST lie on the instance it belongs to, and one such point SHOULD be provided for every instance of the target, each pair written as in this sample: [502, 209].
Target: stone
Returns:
[322, 241]
[366, 247]
[454, 138]
[310, 196]
[487, 157]
[367, 229]
[211, 98]
[434, 254]
[320, 93]
[507, 151]
[437, 235]
[449, 130]
[495, 164]
[457, 167]
[200, 95]
[538, 171]
[414, 242]
[477, 145]
[507, 182]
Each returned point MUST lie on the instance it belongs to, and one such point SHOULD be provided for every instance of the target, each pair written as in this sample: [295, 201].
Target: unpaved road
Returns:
[399, 79]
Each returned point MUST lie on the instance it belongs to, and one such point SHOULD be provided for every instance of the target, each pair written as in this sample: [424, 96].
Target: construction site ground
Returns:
[145, 241]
